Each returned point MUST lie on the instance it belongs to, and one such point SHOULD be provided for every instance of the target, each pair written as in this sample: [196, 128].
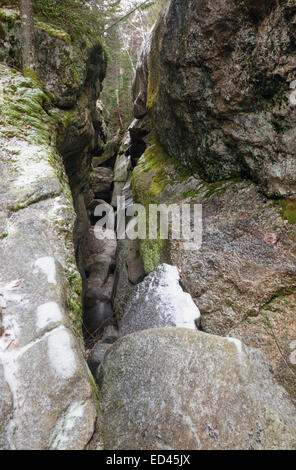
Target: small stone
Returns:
[110, 334]
[97, 355]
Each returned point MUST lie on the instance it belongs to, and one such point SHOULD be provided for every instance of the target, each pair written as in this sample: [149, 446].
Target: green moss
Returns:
[3, 235]
[288, 210]
[152, 253]
[30, 73]
[74, 302]
[8, 15]
[155, 170]
[286, 377]
[52, 31]
[95, 389]
[283, 294]
[153, 69]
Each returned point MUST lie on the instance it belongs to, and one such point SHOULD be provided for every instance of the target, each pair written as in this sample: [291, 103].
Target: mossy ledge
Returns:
[24, 118]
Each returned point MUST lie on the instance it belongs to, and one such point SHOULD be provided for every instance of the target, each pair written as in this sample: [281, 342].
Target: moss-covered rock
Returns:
[222, 97]
[64, 62]
[39, 283]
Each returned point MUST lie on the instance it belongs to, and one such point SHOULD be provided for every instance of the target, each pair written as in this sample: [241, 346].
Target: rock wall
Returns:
[221, 86]
[220, 105]
[48, 396]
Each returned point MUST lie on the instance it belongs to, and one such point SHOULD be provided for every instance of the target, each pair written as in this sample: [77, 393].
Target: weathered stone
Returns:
[6, 409]
[246, 261]
[179, 389]
[42, 360]
[121, 169]
[123, 287]
[221, 89]
[135, 266]
[110, 334]
[97, 356]
[62, 63]
[102, 179]
[99, 263]
[95, 317]
[93, 246]
[158, 302]
[117, 192]
[141, 79]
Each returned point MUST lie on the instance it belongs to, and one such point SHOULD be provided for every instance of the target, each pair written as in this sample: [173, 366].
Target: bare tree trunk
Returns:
[27, 32]
[118, 108]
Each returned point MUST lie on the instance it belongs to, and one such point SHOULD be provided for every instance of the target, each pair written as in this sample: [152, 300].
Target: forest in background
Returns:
[123, 43]
[123, 25]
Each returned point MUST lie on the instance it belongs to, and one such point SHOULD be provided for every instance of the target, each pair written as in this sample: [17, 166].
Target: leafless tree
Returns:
[27, 34]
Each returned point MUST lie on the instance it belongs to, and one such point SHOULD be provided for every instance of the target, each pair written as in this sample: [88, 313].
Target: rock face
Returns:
[243, 277]
[47, 392]
[141, 79]
[222, 89]
[158, 302]
[63, 64]
[47, 398]
[189, 390]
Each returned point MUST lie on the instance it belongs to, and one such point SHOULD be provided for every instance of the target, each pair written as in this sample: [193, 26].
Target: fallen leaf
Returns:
[271, 238]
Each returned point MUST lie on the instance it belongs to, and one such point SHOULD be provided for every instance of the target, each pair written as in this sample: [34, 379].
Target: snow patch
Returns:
[238, 345]
[159, 302]
[61, 354]
[65, 426]
[180, 304]
[48, 267]
[31, 164]
[48, 314]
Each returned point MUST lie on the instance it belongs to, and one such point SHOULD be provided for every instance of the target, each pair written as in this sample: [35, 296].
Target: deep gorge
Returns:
[123, 344]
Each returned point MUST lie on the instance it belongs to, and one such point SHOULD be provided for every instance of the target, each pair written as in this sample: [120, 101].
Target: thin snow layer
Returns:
[66, 425]
[61, 354]
[159, 302]
[48, 267]
[238, 344]
[31, 164]
[48, 314]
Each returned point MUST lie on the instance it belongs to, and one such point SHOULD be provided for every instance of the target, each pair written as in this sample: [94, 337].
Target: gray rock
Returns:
[181, 389]
[220, 96]
[96, 288]
[141, 79]
[47, 398]
[121, 169]
[97, 356]
[99, 242]
[100, 264]
[95, 317]
[62, 63]
[158, 302]
[110, 334]
[117, 192]
[123, 287]
[102, 180]
[135, 266]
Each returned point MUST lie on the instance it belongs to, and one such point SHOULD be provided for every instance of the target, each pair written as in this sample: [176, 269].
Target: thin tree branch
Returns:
[128, 14]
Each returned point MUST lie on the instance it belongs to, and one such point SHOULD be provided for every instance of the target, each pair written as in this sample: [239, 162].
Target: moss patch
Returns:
[288, 210]
[160, 170]
[74, 302]
[153, 69]
[69, 15]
